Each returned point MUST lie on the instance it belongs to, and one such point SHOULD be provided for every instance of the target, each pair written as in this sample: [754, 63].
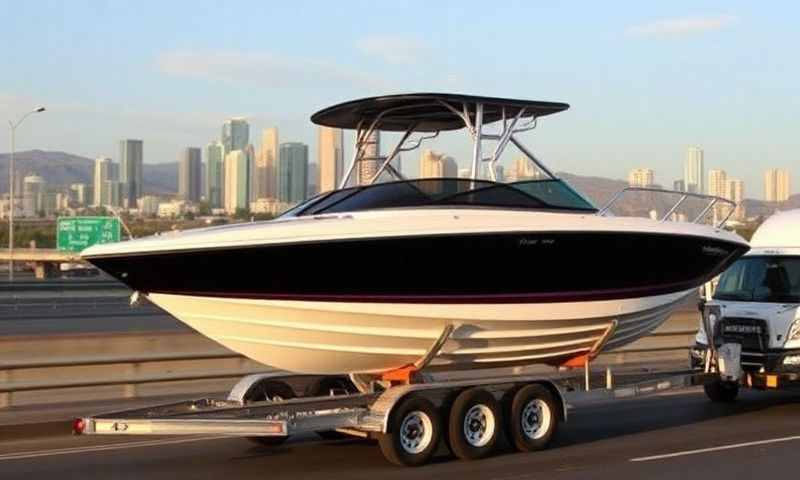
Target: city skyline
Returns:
[664, 89]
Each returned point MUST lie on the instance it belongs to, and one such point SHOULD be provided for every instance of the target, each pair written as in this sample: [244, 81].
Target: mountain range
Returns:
[61, 168]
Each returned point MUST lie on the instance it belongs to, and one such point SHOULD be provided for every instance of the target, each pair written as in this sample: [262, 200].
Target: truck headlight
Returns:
[794, 331]
[711, 314]
[791, 360]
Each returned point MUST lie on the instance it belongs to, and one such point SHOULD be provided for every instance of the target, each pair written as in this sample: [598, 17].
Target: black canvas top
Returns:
[426, 110]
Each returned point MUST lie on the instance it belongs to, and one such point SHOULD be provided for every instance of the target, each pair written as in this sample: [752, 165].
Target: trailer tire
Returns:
[474, 424]
[274, 391]
[532, 418]
[413, 434]
[325, 386]
[721, 392]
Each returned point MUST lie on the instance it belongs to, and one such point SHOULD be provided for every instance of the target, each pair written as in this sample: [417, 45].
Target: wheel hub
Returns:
[479, 425]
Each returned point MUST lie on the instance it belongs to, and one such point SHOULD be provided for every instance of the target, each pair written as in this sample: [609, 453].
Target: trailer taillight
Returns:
[78, 426]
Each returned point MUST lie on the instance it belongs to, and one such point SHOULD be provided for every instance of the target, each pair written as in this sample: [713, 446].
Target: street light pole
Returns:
[11, 199]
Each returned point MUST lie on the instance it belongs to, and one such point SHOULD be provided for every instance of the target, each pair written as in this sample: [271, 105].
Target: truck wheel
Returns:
[723, 392]
[414, 433]
[273, 391]
[474, 424]
[532, 418]
[326, 386]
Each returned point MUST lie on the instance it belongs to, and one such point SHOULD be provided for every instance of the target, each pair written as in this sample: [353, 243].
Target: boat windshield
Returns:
[548, 194]
[768, 279]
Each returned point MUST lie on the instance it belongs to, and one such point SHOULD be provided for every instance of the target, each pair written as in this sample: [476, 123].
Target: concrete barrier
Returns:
[68, 368]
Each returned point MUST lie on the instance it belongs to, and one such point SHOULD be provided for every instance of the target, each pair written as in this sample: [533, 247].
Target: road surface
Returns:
[650, 438]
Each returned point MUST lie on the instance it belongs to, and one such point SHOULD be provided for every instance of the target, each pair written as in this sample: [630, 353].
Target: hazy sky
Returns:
[645, 79]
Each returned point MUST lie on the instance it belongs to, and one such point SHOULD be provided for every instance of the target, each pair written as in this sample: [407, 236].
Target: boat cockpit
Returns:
[542, 194]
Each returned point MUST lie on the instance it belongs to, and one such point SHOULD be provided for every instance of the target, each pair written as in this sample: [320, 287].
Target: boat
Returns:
[388, 272]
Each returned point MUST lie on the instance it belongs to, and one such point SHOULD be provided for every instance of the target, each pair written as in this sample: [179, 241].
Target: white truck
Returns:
[754, 315]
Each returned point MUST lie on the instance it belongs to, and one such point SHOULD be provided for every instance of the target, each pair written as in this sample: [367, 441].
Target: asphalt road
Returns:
[757, 437]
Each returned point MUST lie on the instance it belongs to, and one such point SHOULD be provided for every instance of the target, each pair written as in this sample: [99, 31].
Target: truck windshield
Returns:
[761, 279]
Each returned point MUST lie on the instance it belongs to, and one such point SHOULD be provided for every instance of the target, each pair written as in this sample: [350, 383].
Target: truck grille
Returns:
[751, 333]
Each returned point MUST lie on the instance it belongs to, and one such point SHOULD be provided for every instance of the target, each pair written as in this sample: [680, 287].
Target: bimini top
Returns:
[427, 112]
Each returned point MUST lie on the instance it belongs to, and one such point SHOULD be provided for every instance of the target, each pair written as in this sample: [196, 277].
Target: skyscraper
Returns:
[313, 179]
[368, 166]
[679, 186]
[189, 171]
[236, 181]
[330, 158]
[102, 174]
[250, 153]
[34, 189]
[641, 177]
[266, 184]
[292, 172]
[718, 183]
[776, 185]
[736, 194]
[693, 171]
[718, 187]
[215, 159]
[130, 175]
[235, 134]
[437, 165]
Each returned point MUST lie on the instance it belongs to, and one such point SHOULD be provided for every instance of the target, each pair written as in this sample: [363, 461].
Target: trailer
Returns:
[409, 420]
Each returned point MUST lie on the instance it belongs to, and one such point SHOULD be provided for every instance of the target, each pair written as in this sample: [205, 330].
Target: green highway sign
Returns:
[76, 233]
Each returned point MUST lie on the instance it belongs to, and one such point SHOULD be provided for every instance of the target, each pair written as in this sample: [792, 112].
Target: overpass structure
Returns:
[45, 261]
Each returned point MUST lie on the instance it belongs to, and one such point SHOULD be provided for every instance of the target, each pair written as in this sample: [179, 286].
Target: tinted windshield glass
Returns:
[537, 194]
[761, 279]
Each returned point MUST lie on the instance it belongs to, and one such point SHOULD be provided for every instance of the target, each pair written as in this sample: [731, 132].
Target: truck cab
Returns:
[756, 304]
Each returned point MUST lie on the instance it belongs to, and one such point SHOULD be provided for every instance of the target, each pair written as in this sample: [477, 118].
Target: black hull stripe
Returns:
[522, 298]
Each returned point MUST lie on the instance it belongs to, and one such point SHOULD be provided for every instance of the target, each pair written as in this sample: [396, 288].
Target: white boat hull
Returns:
[336, 337]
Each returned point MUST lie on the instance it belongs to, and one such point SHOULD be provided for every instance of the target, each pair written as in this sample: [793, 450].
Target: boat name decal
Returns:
[529, 242]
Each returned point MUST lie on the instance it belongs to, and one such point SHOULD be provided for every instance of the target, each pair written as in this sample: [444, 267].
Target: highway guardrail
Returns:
[135, 376]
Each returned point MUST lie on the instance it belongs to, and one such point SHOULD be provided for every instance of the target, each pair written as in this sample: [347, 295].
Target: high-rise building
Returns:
[236, 181]
[524, 169]
[330, 158]
[679, 186]
[776, 185]
[250, 153]
[437, 165]
[718, 187]
[215, 160]
[266, 183]
[313, 179]
[130, 171]
[693, 171]
[641, 177]
[235, 134]
[113, 191]
[81, 194]
[718, 183]
[293, 172]
[102, 174]
[371, 160]
[736, 194]
[189, 172]
[34, 189]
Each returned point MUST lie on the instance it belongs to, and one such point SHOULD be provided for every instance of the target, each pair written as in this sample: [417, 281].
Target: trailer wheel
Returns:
[331, 386]
[273, 391]
[474, 424]
[413, 434]
[722, 392]
[532, 418]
